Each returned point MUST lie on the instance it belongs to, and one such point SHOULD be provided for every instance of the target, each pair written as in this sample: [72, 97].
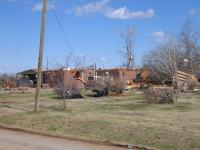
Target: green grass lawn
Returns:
[121, 119]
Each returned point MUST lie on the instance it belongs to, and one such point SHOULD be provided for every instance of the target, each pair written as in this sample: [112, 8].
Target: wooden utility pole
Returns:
[40, 59]
[47, 63]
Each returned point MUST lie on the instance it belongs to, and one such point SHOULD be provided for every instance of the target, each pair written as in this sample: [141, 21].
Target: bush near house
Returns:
[108, 87]
[68, 89]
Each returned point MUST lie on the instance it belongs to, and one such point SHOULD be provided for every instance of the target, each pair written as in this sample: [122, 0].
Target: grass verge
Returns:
[127, 120]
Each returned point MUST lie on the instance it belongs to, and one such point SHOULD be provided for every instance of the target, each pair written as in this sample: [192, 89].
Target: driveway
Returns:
[14, 140]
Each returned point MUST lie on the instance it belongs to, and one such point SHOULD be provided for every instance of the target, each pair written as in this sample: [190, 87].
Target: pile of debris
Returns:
[7, 84]
[161, 95]
[187, 82]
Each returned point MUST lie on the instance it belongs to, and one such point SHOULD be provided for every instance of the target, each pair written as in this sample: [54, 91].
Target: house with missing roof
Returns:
[28, 78]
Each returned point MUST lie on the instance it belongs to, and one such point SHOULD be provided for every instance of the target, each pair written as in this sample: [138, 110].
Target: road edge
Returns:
[99, 142]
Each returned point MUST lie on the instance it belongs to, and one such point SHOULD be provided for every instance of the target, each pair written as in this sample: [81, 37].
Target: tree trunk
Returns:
[65, 103]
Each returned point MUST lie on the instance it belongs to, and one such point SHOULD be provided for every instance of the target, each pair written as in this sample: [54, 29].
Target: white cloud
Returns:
[103, 58]
[125, 13]
[194, 11]
[159, 36]
[93, 7]
[39, 6]
[102, 7]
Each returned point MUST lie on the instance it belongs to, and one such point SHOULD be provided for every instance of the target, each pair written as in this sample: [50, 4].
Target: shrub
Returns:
[100, 88]
[68, 89]
[117, 87]
[108, 86]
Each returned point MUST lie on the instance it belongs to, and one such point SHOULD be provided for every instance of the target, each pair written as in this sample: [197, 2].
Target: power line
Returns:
[62, 30]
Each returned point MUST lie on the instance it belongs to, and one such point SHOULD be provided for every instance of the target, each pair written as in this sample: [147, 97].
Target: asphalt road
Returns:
[14, 140]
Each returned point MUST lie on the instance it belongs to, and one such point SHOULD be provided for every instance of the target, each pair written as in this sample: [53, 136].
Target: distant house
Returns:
[28, 78]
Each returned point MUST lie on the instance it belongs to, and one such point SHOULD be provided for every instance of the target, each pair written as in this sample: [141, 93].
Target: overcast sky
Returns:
[92, 29]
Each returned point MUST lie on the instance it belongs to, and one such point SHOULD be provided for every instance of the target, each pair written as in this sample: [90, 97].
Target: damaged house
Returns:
[50, 78]
[27, 78]
[117, 74]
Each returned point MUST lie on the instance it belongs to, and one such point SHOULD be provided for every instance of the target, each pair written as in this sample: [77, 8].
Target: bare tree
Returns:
[182, 53]
[128, 37]
[189, 39]
[177, 56]
[163, 64]
[68, 59]
[163, 61]
[79, 62]
[66, 85]
[67, 88]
